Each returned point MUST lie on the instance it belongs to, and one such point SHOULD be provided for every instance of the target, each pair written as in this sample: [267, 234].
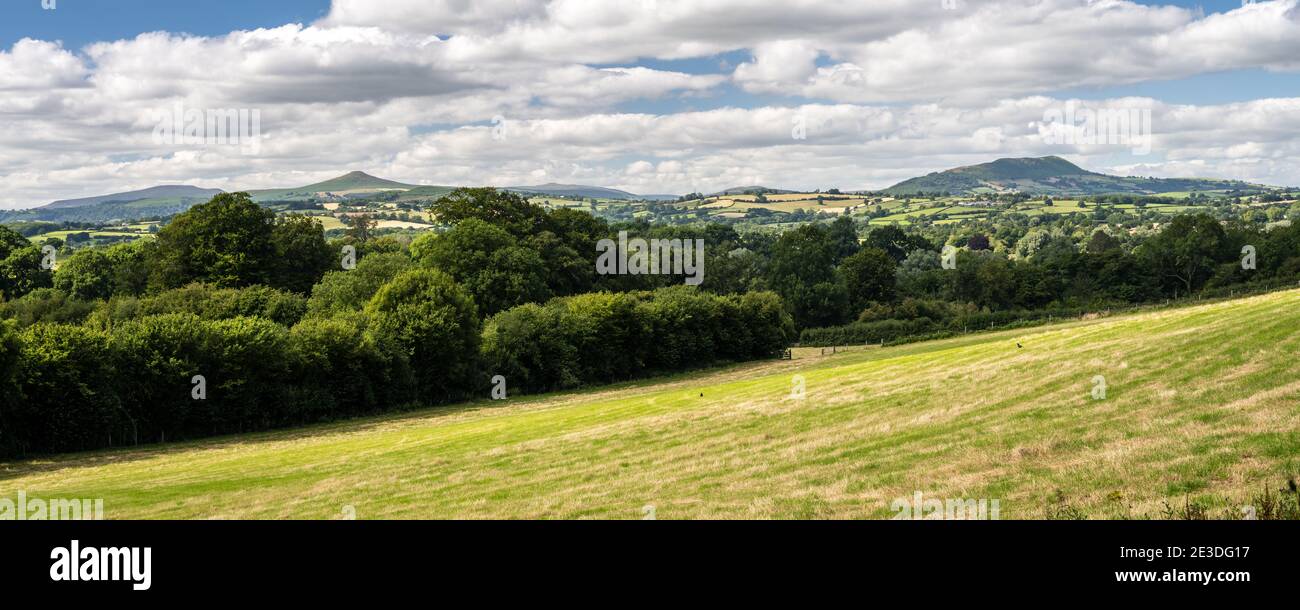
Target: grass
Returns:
[1202, 406]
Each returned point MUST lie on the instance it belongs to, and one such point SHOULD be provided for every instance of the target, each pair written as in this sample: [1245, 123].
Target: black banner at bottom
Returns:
[212, 561]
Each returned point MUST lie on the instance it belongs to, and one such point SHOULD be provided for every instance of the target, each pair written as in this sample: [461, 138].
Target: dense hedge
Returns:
[77, 388]
[129, 375]
[605, 337]
[207, 302]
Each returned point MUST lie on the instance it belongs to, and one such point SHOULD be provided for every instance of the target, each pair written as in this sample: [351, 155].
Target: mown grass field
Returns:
[1202, 404]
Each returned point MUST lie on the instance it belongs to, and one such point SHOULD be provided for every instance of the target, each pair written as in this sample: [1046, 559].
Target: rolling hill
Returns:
[349, 184]
[1049, 176]
[581, 191]
[1201, 406]
[155, 202]
[750, 190]
[167, 192]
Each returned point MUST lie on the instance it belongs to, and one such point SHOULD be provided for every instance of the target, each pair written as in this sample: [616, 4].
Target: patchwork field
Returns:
[1202, 404]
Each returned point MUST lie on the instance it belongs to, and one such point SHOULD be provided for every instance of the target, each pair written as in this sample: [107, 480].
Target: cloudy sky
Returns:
[651, 96]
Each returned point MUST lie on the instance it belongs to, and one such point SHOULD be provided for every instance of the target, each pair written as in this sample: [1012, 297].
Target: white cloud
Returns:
[408, 89]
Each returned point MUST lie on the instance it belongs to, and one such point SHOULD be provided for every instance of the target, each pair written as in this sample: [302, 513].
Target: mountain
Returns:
[750, 190]
[573, 190]
[167, 192]
[1049, 176]
[349, 184]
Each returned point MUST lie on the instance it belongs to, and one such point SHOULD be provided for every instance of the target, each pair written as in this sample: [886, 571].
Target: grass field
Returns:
[1202, 404]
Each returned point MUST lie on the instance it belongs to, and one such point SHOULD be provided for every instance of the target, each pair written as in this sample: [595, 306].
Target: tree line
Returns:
[235, 320]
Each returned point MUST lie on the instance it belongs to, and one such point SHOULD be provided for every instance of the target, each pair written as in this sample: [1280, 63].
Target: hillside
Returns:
[351, 183]
[750, 190]
[166, 192]
[574, 190]
[1048, 176]
[1202, 405]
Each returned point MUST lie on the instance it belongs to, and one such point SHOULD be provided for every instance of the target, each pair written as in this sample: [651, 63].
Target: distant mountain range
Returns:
[173, 199]
[169, 192]
[1035, 176]
[1049, 176]
[590, 192]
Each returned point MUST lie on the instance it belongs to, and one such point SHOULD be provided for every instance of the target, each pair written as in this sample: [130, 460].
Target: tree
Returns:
[895, 242]
[349, 290]
[360, 226]
[434, 322]
[1185, 253]
[228, 241]
[802, 271]
[845, 235]
[1101, 241]
[868, 276]
[87, 275]
[503, 209]
[301, 254]
[20, 265]
[21, 272]
[488, 262]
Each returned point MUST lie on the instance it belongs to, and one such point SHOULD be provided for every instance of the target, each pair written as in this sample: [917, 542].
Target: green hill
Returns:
[158, 193]
[573, 190]
[1049, 176]
[1202, 405]
[351, 183]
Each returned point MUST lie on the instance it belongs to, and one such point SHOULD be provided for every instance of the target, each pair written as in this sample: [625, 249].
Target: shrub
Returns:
[46, 305]
[345, 370]
[162, 354]
[344, 291]
[209, 303]
[435, 323]
[605, 337]
[86, 276]
[66, 392]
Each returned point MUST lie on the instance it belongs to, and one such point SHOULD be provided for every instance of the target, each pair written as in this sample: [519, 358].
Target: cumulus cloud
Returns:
[587, 91]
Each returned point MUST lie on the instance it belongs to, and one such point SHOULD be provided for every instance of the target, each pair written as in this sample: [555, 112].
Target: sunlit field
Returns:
[1201, 405]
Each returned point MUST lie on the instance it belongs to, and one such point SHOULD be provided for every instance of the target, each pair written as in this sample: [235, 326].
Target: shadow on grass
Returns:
[410, 413]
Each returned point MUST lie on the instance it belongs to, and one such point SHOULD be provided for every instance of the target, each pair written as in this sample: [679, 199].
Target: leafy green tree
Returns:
[87, 275]
[350, 290]
[488, 262]
[228, 241]
[502, 209]
[844, 233]
[21, 272]
[48, 305]
[869, 276]
[130, 263]
[360, 227]
[1184, 254]
[301, 254]
[20, 265]
[435, 323]
[66, 383]
[1101, 241]
[802, 271]
[895, 242]
[346, 370]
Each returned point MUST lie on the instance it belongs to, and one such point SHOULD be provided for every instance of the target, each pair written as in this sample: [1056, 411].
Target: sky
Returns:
[651, 96]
